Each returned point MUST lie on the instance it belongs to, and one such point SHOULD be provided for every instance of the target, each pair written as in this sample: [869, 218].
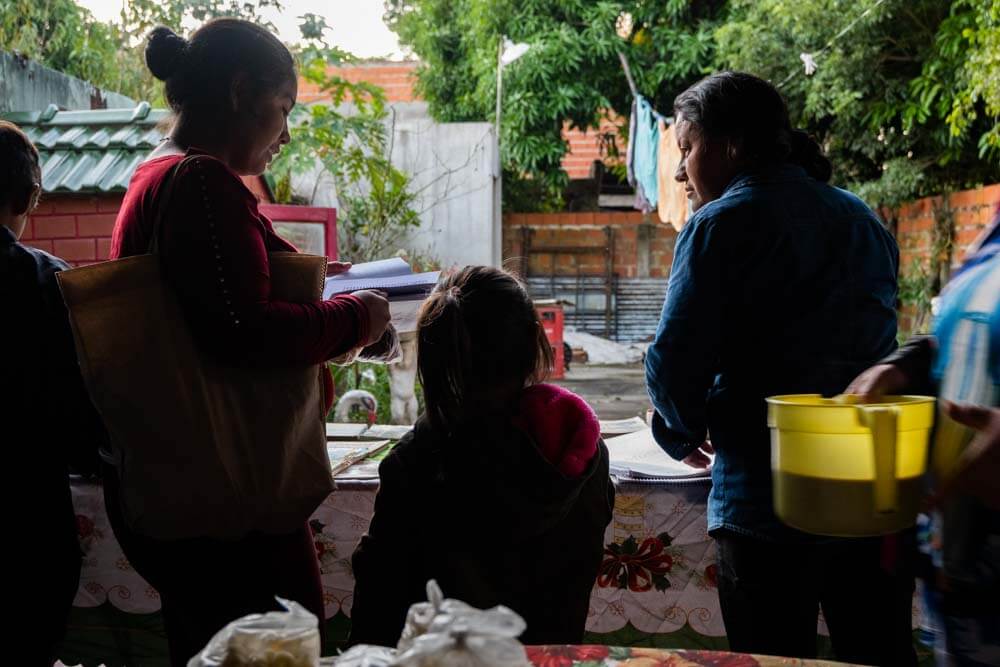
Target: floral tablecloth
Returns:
[623, 656]
[656, 586]
[658, 572]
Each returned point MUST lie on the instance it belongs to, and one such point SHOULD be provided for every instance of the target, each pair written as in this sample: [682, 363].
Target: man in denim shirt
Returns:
[781, 284]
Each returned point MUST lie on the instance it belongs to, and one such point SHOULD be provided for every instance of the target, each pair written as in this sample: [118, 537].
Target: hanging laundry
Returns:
[647, 135]
[672, 201]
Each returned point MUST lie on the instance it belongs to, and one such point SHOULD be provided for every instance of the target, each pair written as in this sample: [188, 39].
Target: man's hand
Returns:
[699, 458]
[978, 469]
[877, 382]
[378, 313]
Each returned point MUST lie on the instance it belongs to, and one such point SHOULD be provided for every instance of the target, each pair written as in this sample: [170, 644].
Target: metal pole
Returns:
[498, 167]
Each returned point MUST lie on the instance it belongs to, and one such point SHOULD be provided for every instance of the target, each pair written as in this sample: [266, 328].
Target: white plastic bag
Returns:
[275, 639]
[450, 633]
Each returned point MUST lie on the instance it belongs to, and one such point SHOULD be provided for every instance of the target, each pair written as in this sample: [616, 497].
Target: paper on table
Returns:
[345, 454]
[638, 455]
[388, 431]
[344, 431]
[613, 427]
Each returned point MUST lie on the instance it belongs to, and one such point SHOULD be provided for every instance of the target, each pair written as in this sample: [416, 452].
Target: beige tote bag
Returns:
[202, 449]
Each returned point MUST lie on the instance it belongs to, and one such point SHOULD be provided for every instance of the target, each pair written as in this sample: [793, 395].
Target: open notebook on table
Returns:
[637, 455]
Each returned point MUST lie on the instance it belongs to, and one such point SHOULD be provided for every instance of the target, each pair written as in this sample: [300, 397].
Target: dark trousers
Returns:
[206, 583]
[43, 574]
[771, 594]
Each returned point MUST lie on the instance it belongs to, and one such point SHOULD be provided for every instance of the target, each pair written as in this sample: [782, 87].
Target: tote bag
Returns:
[202, 449]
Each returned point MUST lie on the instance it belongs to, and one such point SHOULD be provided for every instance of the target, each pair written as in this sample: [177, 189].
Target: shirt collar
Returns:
[6, 236]
[778, 173]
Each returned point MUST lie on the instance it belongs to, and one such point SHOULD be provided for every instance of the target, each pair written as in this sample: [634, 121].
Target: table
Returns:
[623, 656]
[656, 586]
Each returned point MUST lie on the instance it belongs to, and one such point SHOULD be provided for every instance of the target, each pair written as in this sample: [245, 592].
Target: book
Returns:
[638, 456]
[392, 276]
[344, 454]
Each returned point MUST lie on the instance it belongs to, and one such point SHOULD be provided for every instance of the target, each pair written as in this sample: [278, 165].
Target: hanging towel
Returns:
[672, 202]
[647, 135]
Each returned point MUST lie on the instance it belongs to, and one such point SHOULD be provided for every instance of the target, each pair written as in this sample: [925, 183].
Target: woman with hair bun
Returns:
[231, 87]
[781, 284]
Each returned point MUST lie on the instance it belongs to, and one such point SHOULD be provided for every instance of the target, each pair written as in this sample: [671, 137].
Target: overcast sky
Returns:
[356, 25]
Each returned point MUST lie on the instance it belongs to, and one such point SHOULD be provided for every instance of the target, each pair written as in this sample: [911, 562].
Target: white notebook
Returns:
[393, 276]
[638, 455]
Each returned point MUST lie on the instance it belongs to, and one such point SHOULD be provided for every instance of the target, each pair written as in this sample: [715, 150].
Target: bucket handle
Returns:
[883, 421]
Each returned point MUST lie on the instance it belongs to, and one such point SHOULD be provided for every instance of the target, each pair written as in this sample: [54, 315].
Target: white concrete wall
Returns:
[453, 171]
[452, 166]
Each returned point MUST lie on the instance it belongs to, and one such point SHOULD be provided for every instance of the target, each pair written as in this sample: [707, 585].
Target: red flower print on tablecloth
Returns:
[326, 550]
[719, 659]
[712, 575]
[637, 567]
[564, 656]
[84, 526]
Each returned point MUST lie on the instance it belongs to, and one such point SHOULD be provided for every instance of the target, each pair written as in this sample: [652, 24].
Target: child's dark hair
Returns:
[480, 342]
[737, 105]
[20, 172]
[199, 72]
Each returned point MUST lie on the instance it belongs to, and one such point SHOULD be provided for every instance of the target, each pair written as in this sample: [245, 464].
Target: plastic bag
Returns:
[450, 633]
[275, 639]
[386, 350]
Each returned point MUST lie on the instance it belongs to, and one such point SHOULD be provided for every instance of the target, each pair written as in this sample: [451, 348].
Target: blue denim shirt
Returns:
[783, 285]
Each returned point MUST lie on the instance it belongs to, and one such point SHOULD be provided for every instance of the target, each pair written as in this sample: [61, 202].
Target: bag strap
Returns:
[163, 202]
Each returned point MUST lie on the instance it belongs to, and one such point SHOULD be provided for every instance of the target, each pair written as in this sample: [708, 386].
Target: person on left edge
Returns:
[49, 424]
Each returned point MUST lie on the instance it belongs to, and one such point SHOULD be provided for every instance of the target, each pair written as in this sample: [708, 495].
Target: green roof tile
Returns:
[91, 151]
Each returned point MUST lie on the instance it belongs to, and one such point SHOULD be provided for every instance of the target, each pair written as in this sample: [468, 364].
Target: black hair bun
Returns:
[165, 50]
[808, 154]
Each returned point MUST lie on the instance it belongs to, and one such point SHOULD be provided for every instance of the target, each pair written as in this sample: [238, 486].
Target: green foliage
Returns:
[66, 37]
[570, 76]
[906, 102]
[881, 99]
[62, 35]
[350, 142]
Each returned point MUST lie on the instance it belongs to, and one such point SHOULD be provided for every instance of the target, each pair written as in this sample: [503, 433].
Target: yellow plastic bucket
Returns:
[848, 469]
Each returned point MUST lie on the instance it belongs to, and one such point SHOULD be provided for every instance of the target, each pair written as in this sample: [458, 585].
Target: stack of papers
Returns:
[344, 454]
[392, 276]
[612, 427]
[638, 456]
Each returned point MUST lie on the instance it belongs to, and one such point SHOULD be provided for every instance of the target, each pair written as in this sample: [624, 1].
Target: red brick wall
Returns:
[75, 228]
[585, 147]
[972, 211]
[587, 229]
[396, 78]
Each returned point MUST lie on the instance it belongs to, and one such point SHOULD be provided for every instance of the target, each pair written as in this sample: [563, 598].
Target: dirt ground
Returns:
[615, 392]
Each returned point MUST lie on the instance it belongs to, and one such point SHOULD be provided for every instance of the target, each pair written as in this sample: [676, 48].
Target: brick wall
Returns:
[396, 78]
[75, 228]
[971, 210]
[644, 248]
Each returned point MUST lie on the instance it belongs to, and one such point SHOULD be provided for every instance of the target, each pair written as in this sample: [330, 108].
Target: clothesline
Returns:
[809, 59]
[635, 90]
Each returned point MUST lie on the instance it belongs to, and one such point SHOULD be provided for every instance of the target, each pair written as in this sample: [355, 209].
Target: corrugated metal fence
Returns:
[635, 304]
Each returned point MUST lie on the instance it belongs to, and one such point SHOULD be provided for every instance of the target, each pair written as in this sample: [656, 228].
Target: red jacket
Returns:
[214, 245]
